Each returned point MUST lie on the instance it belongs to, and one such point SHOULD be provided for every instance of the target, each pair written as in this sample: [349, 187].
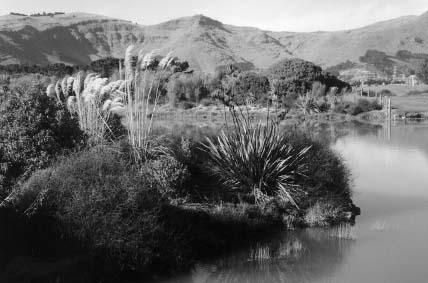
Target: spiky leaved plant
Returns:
[257, 159]
[307, 104]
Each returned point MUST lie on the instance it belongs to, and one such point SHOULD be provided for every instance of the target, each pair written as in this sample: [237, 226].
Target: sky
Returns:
[277, 15]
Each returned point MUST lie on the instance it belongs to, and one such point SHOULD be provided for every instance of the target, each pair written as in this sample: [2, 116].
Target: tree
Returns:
[295, 77]
[251, 87]
[422, 71]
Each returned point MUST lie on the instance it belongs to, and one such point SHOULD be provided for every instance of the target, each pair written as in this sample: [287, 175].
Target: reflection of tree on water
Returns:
[330, 132]
[303, 256]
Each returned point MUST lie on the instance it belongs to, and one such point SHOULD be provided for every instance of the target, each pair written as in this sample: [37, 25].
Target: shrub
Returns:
[327, 174]
[364, 105]
[34, 129]
[387, 92]
[251, 88]
[321, 214]
[422, 71]
[189, 88]
[256, 160]
[110, 205]
[296, 76]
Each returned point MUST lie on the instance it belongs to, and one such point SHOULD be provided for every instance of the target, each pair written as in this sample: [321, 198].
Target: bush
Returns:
[296, 77]
[256, 160]
[364, 105]
[387, 92]
[189, 88]
[422, 71]
[251, 88]
[34, 129]
[111, 206]
[327, 174]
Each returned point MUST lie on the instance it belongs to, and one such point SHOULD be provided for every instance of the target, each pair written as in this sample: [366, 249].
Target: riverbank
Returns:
[122, 220]
[208, 233]
[216, 115]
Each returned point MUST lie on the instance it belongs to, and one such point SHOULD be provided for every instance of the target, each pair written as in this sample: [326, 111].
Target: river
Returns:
[389, 242]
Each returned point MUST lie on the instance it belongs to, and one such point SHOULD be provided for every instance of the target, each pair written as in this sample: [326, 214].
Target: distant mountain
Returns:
[78, 38]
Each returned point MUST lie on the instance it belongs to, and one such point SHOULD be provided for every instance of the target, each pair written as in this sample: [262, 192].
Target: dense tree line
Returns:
[291, 78]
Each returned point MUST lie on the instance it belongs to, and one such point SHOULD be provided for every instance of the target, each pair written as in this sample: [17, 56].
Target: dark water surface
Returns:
[390, 240]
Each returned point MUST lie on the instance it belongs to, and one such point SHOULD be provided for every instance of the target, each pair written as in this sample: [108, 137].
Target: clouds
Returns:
[291, 15]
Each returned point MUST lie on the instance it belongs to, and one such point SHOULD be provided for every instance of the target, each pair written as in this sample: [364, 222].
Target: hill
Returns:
[77, 38]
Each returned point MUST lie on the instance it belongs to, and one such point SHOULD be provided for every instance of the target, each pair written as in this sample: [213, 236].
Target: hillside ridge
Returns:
[77, 38]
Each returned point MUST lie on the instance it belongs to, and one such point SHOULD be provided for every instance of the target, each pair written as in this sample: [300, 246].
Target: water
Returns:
[390, 175]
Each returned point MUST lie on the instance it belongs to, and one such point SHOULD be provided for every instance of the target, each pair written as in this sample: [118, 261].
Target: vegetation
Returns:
[335, 70]
[291, 78]
[251, 88]
[34, 130]
[184, 88]
[257, 160]
[148, 201]
[378, 59]
[110, 205]
[422, 72]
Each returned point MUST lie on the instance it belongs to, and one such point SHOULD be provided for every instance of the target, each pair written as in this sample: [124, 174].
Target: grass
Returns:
[321, 214]
[406, 99]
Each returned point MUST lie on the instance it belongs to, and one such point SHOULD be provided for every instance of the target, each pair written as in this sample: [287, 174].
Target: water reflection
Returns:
[389, 165]
[301, 256]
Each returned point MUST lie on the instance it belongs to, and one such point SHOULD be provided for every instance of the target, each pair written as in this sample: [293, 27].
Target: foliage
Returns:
[256, 160]
[378, 59]
[294, 77]
[110, 205]
[422, 71]
[34, 130]
[336, 69]
[103, 105]
[326, 170]
[321, 214]
[364, 105]
[251, 88]
[307, 104]
[56, 69]
[105, 66]
[189, 88]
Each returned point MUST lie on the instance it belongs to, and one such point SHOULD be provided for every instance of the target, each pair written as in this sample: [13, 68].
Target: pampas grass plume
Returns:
[50, 91]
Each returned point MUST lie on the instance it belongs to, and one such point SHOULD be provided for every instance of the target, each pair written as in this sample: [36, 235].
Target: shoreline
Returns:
[216, 115]
[215, 231]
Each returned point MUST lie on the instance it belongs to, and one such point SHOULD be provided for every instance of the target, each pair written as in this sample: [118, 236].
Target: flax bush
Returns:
[257, 159]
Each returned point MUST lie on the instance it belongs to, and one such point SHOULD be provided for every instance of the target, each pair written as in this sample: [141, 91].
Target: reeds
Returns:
[344, 231]
[94, 99]
[320, 213]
